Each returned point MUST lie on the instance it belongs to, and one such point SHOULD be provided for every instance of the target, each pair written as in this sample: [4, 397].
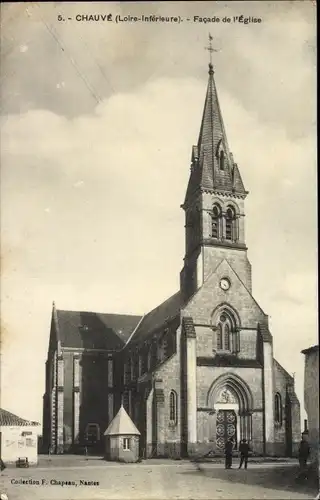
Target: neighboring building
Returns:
[122, 439]
[18, 438]
[311, 398]
[199, 367]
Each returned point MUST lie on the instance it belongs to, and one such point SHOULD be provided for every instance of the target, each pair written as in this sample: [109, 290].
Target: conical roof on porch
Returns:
[121, 425]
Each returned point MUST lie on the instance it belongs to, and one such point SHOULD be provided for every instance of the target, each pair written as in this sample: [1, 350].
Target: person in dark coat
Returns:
[244, 453]
[228, 453]
[2, 465]
[303, 455]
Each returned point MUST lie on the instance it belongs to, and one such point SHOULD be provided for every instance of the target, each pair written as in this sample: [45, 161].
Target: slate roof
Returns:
[206, 172]
[94, 330]
[10, 419]
[122, 425]
[155, 319]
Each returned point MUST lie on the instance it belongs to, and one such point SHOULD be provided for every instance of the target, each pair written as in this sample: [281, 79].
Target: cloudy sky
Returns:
[97, 124]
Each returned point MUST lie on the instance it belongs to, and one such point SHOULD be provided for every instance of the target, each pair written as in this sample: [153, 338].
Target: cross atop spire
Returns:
[210, 49]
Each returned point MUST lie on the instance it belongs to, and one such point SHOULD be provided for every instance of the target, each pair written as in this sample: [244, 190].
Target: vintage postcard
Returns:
[158, 250]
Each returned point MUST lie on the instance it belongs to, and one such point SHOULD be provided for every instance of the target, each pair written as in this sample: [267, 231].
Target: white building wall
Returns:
[19, 442]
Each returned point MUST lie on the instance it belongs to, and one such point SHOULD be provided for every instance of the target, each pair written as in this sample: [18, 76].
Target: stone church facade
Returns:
[197, 369]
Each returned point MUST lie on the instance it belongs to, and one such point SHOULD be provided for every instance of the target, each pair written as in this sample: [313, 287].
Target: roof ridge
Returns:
[97, 312]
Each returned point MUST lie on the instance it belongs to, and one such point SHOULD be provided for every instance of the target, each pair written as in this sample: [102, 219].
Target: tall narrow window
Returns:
[149, 357]
[219, 337]
[215, 221]
[224, 333]
[221, 160]
[110, 372]
[278, 409]
[130, 402]
[230, 217]
[125, 400]
[173, 407]
[129, 370]
[125, 373]
[133, 366]
[140, 365]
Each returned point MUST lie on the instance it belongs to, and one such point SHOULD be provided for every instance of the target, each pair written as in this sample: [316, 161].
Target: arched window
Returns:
[230, 224]
[215, 221]
[278, 409]
[221, 160]
[173, 409]
[224, 332]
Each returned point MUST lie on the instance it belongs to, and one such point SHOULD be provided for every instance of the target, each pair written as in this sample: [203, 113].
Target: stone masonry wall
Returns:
[169, 373]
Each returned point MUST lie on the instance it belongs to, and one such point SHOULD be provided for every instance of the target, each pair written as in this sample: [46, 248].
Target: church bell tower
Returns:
[214, 203]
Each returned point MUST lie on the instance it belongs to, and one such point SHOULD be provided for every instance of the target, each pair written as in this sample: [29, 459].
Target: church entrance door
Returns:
[226, 428]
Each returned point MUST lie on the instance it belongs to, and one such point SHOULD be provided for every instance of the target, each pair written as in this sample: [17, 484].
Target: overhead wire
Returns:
[51, 30]
[97, 63]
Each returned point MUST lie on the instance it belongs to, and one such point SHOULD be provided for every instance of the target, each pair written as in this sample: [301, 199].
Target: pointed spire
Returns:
[212, 137]
[213, 166]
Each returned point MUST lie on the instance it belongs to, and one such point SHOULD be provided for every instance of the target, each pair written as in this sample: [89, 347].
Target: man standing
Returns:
[244, 453]
[228, 453]
[303, 454]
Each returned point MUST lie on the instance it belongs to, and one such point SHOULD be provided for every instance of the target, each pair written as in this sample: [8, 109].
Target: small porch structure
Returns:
[122, 439]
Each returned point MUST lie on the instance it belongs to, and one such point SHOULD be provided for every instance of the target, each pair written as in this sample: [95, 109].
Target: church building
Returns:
[199, 368]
